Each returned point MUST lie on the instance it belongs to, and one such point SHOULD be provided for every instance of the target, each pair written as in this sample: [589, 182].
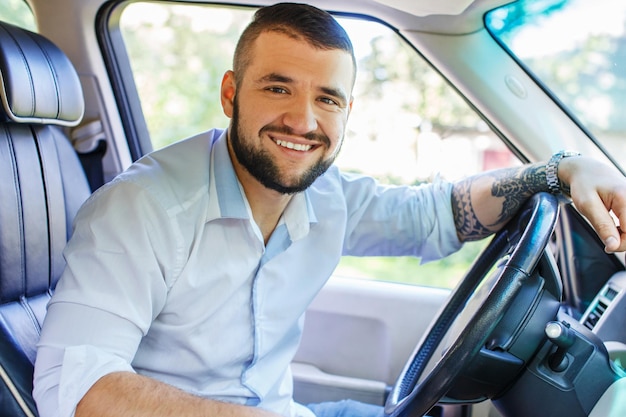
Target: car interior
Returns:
[532, 325]
[44, 185]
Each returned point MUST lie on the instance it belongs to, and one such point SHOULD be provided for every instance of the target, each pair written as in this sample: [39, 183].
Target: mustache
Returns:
[286, 130]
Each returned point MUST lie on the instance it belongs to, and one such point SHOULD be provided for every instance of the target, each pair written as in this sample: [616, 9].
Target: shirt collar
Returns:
[225, 197]
[227, 200]
[299, 216]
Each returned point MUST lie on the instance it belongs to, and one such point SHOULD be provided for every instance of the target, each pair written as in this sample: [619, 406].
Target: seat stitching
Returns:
[45, 181]
[26, 67]
[55, 77]
[30, 313]
[15, 392]
[18, 201]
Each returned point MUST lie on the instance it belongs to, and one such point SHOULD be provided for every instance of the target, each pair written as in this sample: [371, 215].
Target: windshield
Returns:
[577, 50]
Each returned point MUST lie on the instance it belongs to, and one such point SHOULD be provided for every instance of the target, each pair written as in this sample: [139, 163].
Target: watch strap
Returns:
[552, 172]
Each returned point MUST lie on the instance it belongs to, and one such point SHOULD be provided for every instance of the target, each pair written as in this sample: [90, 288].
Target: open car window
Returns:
[407, 125]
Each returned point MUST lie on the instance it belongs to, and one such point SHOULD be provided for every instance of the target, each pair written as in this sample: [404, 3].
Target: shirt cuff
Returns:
[444, 240]
[81, 367]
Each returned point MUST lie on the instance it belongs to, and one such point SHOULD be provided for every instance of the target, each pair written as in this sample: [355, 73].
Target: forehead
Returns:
[275, 52]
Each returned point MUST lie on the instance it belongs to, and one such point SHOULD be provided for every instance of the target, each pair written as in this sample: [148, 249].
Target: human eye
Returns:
[329, 101]
[277, 90]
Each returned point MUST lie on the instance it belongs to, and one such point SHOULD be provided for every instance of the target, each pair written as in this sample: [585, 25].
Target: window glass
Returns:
[17, 13]
[407, 124]
[179, 71]
[577, 50]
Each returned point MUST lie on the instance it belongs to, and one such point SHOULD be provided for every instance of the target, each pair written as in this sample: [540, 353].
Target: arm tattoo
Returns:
[467, 224]
[510, 188]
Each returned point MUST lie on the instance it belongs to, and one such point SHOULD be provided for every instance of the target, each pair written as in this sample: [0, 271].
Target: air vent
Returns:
[610, 293]
[594, 315]
[599, 306]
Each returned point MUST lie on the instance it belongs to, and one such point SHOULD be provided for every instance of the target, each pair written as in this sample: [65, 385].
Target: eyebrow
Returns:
[274, 77]
[334, 92]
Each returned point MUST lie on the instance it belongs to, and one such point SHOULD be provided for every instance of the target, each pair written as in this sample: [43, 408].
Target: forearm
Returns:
[483, 203]
[126, 394]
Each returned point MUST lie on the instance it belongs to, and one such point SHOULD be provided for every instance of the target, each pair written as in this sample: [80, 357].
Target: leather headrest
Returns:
[38, 83]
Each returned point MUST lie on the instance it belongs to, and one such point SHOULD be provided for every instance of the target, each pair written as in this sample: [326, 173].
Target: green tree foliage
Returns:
[584, 63]
[17, 13]
[393, 68]
[178, 60]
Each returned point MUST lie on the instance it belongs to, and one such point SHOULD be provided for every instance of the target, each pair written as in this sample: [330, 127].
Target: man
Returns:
[188, 276]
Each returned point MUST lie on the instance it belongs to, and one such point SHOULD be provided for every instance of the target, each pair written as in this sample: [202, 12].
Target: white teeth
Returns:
[294, 146]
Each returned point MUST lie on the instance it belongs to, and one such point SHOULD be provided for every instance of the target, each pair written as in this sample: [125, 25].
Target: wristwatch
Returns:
[552, 172]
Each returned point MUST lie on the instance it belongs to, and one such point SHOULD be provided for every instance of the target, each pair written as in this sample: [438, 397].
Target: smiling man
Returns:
[289, 113]
[188, 276]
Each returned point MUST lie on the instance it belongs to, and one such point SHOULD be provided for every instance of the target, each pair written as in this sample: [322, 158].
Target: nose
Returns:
[300, 115]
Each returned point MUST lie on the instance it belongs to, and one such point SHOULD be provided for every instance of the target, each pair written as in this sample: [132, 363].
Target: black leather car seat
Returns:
[42, 185]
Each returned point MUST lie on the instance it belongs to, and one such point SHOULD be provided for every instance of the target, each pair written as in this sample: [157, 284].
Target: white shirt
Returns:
[168, 276]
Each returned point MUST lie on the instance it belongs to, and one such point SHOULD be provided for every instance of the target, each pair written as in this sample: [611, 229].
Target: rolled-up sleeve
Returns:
[114, 285]
[64, 375]
[399, 220]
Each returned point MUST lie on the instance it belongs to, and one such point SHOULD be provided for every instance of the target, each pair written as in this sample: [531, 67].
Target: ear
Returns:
[227, 94]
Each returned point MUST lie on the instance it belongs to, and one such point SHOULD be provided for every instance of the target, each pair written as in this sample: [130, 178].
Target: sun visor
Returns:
[428, 7]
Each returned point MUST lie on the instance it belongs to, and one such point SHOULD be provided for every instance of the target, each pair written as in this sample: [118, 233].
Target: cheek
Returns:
[255, 119]
[336, 140]
[336, 132]
[245, 121]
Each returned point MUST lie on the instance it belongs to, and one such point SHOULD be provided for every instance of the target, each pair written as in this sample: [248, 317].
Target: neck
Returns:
[267, 205]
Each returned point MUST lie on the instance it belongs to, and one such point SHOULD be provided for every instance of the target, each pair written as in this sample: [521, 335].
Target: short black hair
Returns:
[299, 21]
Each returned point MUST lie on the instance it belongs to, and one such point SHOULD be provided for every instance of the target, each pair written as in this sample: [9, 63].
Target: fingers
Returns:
[615, 202]
[617, 242]
[598, 209]
[599, 194]
[616, 245]
[604, 226]
[618, 210]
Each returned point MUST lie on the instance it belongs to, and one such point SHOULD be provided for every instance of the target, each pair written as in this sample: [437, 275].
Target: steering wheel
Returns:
[474, 309]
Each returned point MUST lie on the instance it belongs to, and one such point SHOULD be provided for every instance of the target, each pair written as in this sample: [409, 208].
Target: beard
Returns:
[259, 162]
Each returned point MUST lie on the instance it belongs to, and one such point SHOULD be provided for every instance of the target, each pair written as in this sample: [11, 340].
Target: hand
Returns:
[599, 193]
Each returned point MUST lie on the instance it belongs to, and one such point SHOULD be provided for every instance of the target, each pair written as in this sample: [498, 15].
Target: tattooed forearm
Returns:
[494, 197]
[515, 186]
[467, 224]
